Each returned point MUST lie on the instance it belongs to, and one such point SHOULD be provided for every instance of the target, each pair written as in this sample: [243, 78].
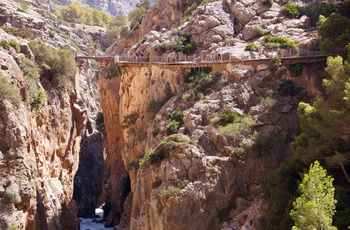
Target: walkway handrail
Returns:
[179, 58]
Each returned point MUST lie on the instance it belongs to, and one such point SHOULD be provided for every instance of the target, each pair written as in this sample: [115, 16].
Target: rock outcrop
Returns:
[39, 147]
[199, 167]
[201, 171]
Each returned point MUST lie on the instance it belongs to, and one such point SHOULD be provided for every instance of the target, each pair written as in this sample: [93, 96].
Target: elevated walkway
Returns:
[180, 63]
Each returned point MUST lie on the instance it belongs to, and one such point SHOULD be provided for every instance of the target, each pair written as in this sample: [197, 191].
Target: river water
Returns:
[90, 223]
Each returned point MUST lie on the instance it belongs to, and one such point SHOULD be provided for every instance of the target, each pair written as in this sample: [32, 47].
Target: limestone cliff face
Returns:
[201, 171]
[199, 174]
[40, 152]
[39, 148]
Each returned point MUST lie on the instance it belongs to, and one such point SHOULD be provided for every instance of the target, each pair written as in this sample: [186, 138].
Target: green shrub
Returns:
[230, 117]
[7, 44]
[168, 191]
[12, 196]
[154, 156]
[176, 115]
[291, 10]
[19, 32]
[314, 10]
[31, 73]
[268, 102]
[276, 62]
[51, 34]
[24, 6]
[186, 96]
[15, 45]
[258, 31]
[239, 127]
[181, 44]
[57, 64]
[172, 127]
[334, 33]
[282, 42]
[156, 132]
[267, 2]
[9, 91]
[4, 44]
[203, 83]
[239, 152]
[189, 48]
[37, 97]
[252, 47]
[288, 87]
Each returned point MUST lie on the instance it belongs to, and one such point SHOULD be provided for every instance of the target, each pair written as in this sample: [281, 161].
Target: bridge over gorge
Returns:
[181, 62]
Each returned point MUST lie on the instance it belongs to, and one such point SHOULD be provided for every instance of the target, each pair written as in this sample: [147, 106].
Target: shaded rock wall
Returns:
[39, 151]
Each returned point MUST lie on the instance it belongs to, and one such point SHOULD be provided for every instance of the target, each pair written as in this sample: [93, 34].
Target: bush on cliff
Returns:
[314, 10]
[291, 10]
[334, 33]
[31, 73]
[161, 151]
[12, 196]
[282, 42]
[55, 63]
[9, 91]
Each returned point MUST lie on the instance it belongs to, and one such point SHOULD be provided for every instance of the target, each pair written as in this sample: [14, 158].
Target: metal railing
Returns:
[214, 58]
[208, 58]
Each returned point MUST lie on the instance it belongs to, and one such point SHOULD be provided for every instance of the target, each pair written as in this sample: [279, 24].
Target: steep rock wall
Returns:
[45, 150]
[39, 151]
[200, 174]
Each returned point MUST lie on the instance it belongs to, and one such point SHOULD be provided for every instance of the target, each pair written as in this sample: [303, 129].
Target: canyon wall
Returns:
[195, 177]
[188, 169]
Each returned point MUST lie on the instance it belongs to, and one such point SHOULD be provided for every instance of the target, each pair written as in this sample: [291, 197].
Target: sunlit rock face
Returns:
[201, 174]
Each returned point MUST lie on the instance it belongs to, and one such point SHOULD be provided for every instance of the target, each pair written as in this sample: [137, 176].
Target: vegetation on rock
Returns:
[12, 196]
[324, 137]
[272, 41]
[9, 91]
[315, 207]
[55, 63]
[252, 47]
[291, 10]
[74, 13]
[161, 151]
[136, 15]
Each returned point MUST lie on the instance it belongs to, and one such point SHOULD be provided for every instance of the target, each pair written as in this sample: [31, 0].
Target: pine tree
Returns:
[325, 124]
[314, 209]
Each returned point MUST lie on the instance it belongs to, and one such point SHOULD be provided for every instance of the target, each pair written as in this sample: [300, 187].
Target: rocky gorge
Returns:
[200, 171]
[161, 148]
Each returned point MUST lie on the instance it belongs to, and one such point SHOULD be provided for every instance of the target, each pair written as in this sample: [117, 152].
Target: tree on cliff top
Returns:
[315, 207]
